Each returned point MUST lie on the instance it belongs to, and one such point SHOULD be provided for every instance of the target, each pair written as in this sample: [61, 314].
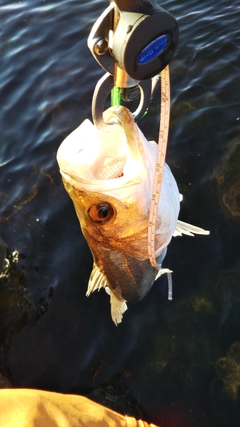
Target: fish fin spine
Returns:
[97, 280]
[188, 229]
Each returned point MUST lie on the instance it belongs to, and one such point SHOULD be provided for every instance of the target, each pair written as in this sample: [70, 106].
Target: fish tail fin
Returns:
[188, 229]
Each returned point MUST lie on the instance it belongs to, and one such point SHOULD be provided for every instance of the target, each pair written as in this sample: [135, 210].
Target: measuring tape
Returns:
[160, 162]
[161, 155]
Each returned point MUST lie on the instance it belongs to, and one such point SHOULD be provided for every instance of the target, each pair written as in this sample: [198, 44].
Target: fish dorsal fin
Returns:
[117, 308]
[188, 229]
[97, 280]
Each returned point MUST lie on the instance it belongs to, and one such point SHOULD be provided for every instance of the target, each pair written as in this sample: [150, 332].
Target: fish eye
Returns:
[101, 212]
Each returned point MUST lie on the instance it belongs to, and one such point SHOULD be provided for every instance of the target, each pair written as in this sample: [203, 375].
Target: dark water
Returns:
[180, 359]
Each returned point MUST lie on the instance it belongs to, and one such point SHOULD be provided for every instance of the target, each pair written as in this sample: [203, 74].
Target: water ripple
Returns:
[46, 84]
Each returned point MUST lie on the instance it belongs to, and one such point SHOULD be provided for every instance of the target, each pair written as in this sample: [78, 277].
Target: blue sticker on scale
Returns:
[153, 49]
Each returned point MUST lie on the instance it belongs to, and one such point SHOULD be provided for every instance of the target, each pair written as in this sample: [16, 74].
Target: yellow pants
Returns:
[37, 408]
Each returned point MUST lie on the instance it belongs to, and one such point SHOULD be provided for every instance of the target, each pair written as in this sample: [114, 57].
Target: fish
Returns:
[109, 177]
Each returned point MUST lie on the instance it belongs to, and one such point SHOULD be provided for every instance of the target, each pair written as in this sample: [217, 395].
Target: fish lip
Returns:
[100, 186]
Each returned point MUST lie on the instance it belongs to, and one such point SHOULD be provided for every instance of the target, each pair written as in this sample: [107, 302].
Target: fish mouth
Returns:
[93, 160]
[111, 169]
[114, 168]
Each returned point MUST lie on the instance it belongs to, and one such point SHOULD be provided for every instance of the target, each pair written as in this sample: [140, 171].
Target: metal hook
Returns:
[102, 91]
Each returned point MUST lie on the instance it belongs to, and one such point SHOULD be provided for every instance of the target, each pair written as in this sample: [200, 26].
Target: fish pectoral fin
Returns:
[97, 280]
[188, 229]
[117, 308]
